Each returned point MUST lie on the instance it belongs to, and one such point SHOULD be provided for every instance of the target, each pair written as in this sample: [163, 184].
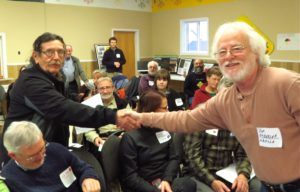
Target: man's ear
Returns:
[12, 155]
[35, 56]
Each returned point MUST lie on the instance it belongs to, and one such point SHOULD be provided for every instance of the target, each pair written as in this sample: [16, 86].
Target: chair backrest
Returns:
[89, 158]
[110, 158]
[178, 140]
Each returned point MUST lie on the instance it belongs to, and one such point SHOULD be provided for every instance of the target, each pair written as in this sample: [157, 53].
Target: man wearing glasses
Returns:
[261, 108]
[110, 100]
[39, 96]
[40, 166]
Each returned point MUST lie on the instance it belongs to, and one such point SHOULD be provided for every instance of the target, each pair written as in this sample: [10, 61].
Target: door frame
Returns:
[136, 43]
[3, 56]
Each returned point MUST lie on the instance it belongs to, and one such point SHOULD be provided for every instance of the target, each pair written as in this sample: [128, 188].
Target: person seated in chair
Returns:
[110, 100]
[147, 81]
[149, 160]
[161, 83]
[36, 165]
[209, 89]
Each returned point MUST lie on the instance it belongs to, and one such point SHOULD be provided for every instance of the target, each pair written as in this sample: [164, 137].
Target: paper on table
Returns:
[229, 173]
[92, 102]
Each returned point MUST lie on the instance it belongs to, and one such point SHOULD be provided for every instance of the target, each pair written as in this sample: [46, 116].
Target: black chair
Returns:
[110, 161]
[90, 159]
[178, 140]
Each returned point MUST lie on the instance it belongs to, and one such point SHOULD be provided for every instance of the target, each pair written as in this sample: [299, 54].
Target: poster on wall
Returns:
[288, 41]
[100, 49]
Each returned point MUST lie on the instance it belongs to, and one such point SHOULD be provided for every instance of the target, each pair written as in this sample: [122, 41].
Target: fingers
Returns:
[240, 184]
[127, 119]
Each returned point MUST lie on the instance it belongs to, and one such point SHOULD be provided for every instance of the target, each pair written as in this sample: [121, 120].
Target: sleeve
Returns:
[123, 59]
[45, 100]
[197, 119]
[129, 167]
[80, 70]
[143, 85]
[194, 150]
[81, 169]
[292, 99]
[173, 164]
[107, 60]
[91, 135]
[188, 90]
[243, 165]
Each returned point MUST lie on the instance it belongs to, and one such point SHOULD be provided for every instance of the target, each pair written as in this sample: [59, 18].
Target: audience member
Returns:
[161, 83]
[73, 72]
[38, 96]
[113, 58]
[110, 100]
[36, 165]
[209, 151]
[149, 161]
[194, 80]
[262, 108]
[209, 89]
[147, 81]
[86, 92]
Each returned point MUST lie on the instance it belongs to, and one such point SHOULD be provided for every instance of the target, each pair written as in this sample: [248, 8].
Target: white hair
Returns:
[152, 62]
[21, 133]
[257, 43]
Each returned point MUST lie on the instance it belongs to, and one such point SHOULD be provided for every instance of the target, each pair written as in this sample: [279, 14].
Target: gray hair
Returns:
[102, 73]
[257, 43]
[21, 133]
[152, 62]
[104, 79]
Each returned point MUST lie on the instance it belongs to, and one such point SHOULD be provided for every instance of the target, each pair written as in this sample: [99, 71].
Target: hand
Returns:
[240, 184]
[90, 185]
[98, 141]
[117, 64]
[219, 186]
[127, 120]
[165, 187]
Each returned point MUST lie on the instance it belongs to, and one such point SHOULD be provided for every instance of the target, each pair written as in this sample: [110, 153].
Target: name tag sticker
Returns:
[118, 55]
[269, 137]
[212, 132]
[163, 136]
[67, 177]
[178, 102]
[150, 83]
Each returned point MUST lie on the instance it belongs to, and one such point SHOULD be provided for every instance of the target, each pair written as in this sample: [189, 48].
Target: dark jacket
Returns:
[144, 159]
[110, 57]
[39, 97]
[191, 83]
[175, 102]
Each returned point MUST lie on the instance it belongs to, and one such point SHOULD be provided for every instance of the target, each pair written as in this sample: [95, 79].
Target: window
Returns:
[194, 36]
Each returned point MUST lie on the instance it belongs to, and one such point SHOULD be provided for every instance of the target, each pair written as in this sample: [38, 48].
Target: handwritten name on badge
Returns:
[269, 137]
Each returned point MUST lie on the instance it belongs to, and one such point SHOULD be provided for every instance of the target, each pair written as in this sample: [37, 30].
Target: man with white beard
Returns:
[110, 100]
[147, 81]
[261, 108]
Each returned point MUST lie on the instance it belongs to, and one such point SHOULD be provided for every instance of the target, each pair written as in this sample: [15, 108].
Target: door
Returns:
[126, 42]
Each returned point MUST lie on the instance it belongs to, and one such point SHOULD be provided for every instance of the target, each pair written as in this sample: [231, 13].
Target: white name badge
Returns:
[163, 136]
[269, 137]
[150, 83]
[67, 177]
[212, 132]
[178, 102]
[118, 55]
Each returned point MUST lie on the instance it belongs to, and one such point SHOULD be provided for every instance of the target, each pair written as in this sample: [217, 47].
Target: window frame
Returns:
[183, 37]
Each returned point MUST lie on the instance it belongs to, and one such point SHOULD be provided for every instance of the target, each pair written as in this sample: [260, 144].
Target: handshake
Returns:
[128, 119]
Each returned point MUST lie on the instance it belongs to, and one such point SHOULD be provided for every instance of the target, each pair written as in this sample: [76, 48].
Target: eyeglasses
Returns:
[235, 50]
[51, 52]
[104, 88]
[42, 152]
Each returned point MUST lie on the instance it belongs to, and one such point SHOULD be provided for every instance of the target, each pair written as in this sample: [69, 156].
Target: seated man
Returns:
[36, 165]
[110, 100]
[194, 80]
[147, 81]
